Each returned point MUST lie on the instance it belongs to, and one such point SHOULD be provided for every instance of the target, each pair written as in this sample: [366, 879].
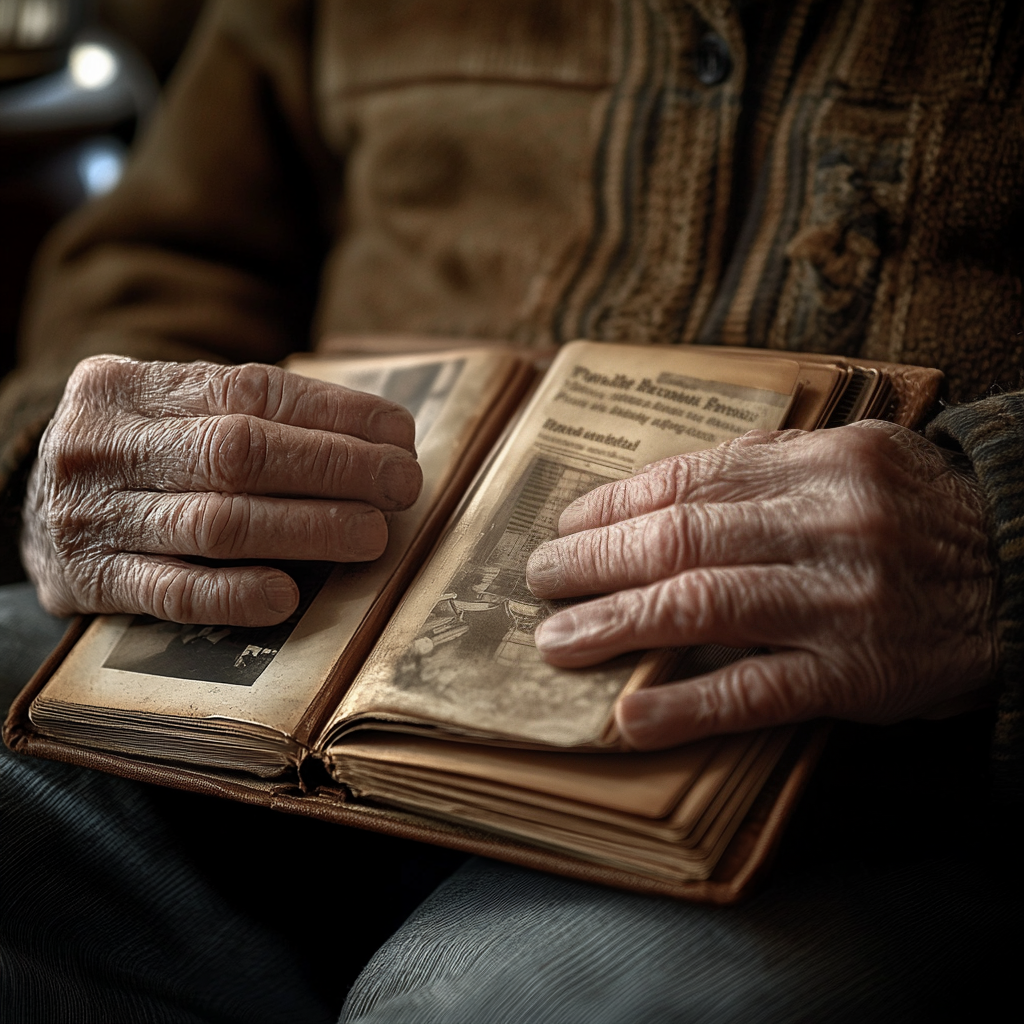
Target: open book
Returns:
[407, 695]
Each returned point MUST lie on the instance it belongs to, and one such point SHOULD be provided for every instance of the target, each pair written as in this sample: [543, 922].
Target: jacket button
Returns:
[713, 59]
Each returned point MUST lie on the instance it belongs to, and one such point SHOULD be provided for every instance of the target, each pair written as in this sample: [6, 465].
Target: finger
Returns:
[275, 394]
[271, 393]
[156, 389]
[742, 606]
[667, 542]
[752, 466]
[754, 693]
[247, 455]
[168, 588]
[232, 526]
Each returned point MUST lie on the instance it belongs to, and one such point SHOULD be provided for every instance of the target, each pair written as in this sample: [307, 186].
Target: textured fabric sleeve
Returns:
[991, 433]
[211, 245]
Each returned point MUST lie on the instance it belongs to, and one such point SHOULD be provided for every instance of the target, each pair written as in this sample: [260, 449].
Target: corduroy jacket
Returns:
[843, 176]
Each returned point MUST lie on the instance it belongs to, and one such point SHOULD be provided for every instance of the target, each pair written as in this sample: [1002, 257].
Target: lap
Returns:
[122, 901]
[502, 944]
[886, 906]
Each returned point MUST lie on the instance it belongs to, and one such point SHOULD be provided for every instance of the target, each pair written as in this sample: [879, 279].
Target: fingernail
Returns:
[544, 571]
[399, 479]
[366, 535]
[555, 633]
[280, 593]
[637, 717]
[393, 426]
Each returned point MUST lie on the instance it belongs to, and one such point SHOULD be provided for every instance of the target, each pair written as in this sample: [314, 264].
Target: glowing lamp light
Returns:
[92, 66]
[100, 167]
[39, 22]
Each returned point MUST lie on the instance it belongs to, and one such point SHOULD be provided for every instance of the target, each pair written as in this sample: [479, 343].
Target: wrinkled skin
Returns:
[144, 463]
[858, 557]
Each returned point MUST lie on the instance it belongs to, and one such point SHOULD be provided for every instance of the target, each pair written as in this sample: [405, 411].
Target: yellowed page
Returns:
[145, 674]
[662, 849]
[458, 656]
[664, 793]
[648, 785]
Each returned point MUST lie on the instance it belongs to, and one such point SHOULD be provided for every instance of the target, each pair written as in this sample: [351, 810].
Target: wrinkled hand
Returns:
[146, 462]
[857, 556]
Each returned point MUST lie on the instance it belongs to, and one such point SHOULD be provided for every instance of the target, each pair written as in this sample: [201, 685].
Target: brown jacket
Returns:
[544, 169]
[852, 181]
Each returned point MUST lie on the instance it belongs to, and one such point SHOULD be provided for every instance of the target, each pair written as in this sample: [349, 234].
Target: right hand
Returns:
[145, 464]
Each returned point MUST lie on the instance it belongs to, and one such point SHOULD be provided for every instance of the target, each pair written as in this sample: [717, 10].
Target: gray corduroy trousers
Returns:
[123, 902]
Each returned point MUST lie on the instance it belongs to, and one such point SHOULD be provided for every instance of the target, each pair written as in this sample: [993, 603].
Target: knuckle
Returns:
[748, 691]
[82, 445]
[252, 388]
[81, 455]
[67, 525]
[603, 548]
[663, 611]
[181, 594]
[316, 531]
[173, 595]
[93, 580]
[715, 706]
[674, 537]
[865, 455]
[60, 454]
[74, 530]
[99, 378]
[607, 504]
[332, 460]
[650, 547]
[868, 598]
[692, 600]
[671, 480]
[870, 522]
[862, 524]
[219, 524]
[231, 452]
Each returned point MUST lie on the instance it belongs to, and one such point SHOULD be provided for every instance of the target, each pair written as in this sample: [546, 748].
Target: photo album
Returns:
[406, 695]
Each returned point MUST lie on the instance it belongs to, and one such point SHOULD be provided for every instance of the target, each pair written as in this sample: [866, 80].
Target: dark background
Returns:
[51, 133]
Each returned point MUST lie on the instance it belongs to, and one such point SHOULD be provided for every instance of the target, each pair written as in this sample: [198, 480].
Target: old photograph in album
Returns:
[237, 697]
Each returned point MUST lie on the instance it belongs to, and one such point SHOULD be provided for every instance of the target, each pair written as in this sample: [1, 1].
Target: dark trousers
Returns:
[125, 902]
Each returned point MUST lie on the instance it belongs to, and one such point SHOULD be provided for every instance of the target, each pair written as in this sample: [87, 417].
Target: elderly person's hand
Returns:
[857, 556]
[146, 463]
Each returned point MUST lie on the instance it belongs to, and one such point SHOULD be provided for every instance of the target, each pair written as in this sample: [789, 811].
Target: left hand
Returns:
[859, 557]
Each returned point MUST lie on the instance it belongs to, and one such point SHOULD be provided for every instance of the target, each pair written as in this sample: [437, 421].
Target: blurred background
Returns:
[78, 78]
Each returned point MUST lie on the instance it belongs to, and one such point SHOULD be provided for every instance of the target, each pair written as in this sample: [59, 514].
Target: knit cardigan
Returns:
[842, 176]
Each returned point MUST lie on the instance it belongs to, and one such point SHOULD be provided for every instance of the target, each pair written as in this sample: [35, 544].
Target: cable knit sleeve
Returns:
[991, 433]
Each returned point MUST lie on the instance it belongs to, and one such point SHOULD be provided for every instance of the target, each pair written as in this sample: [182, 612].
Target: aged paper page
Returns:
[703, 808]
[459, 655]
[185, 679]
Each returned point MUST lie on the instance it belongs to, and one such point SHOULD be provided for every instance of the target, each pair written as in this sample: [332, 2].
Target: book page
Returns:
[458, 657]
[268, 676]
[579, 803]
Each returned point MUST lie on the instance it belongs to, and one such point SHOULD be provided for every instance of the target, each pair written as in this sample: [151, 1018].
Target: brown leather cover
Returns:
[742, 865]
[744, 862]
[916, 387]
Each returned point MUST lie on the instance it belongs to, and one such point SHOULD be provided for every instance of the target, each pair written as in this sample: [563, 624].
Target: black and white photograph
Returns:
[214, 654]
